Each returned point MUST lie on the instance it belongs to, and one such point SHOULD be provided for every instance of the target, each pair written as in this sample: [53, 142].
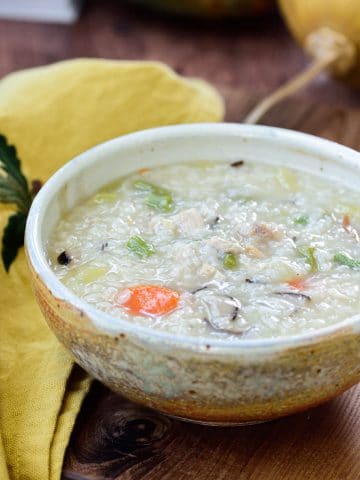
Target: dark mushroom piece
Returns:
[237, 164]
[295, 294]
[64, 258]
[214, 222]
[240, 332]
[104, 245]
[222, 312]
[255, 281]
[200, 289]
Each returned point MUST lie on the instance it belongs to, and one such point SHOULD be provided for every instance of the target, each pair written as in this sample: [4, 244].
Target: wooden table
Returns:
[114, 439]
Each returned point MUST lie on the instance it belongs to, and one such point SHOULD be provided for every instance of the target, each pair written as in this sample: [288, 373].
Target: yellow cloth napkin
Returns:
[51, 114]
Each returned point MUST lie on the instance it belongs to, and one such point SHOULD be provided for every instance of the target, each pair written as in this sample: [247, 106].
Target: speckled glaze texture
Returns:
[198, 380]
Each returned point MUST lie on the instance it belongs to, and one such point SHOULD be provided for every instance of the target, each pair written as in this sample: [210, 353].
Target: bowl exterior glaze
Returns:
[197, 381]
[207, 386]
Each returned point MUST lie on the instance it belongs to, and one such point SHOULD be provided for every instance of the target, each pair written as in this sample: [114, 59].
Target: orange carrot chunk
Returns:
[142, 171]
[147, 300]
[346, 222]
[299, 283]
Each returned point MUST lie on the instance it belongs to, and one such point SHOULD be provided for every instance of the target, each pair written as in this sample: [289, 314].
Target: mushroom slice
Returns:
[223, 312]
[295, 294]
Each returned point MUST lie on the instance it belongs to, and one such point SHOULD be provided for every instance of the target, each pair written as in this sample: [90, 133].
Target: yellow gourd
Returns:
[329, 31]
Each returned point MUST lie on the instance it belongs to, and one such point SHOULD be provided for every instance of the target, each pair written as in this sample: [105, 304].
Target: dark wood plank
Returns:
[114, 439]
[331, 122]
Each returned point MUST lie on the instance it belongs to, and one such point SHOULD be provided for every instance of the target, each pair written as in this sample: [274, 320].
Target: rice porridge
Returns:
[213, 249]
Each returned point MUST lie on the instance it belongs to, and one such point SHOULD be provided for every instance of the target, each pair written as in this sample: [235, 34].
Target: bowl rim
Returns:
[37, 255]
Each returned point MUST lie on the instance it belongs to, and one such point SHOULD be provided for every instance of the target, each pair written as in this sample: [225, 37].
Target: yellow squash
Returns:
[329, 31]
[325, 26]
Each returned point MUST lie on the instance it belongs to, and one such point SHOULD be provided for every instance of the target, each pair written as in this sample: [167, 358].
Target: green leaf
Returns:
[7, 193]
[11, 192]
[13, 184]
[303, 220]
[229, 261]
[345, 259]
[138, 246]
[309, 254]
[13, 238]
[14, 189]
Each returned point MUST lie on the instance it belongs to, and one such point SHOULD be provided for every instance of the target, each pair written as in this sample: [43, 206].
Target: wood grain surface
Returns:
[114, 439]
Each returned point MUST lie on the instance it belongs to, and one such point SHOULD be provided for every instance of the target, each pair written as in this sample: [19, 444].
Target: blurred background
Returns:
[238, 54]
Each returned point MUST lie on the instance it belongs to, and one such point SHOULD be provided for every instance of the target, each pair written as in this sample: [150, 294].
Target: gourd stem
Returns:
[292, 86]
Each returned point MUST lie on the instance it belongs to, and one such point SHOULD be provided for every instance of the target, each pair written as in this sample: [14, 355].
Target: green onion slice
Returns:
[138, 246]
[310, 258]
[229, 261]
[345, 259]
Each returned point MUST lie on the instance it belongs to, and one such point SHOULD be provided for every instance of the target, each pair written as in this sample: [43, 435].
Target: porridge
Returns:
[214, 249]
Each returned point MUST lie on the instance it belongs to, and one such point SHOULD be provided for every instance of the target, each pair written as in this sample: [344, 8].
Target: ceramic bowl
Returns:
[197, 379]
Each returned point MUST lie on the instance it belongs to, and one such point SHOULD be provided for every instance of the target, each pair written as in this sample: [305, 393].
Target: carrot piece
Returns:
[346, 222]
[299, 283]
[147, 300]
[142, 171]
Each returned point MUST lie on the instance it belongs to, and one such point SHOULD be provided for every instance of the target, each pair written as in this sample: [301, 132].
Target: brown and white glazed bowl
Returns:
[196, 379]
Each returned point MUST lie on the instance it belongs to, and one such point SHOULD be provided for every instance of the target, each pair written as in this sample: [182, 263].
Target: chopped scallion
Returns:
[160, 201]
[345, 259]
[144, 186]
[302, 220]
[229, 261]
[138, 246]
[158, 198]
[309, 254]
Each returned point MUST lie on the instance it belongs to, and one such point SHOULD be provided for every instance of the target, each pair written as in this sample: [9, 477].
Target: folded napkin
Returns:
[51, 114]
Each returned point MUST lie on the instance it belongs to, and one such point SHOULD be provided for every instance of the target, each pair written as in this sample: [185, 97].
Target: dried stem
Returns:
[295, 84]
[330, 49]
